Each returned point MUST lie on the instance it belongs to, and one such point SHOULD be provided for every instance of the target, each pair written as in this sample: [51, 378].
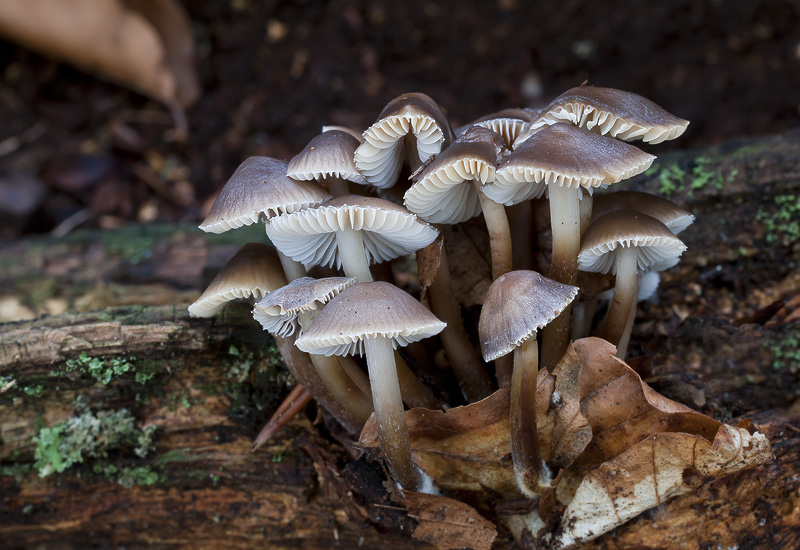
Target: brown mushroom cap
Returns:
[278, 311]
[254, 271]
[260, 186]
[328, 155]
[388, 230]
[380, 157]
[518, 304]
[616, 113]
[444, 192]
[364, 311]
[564, 155]
[655, 244]
[667, 212]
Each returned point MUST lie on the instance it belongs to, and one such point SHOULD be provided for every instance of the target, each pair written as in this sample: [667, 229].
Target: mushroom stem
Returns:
[337, 380]
[338, 186]
[585, 208]
[529, 467]
[520, 218]
[499, 234]
[565, 221]
[622, 347]
[624, 302]
[292, 269]
[415, 393]
[467, 365]
[389, 415]
[352, 255]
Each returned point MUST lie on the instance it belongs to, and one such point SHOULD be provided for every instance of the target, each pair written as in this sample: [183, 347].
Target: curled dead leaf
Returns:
[145, 45]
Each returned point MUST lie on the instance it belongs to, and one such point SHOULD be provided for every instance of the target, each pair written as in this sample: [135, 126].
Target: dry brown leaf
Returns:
[449, 524]
[146, 45]
[662, 466]
[622, 448]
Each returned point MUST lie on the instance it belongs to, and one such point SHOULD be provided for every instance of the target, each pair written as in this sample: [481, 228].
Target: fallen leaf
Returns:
[428, 260]
[145, 45]
[449, 524]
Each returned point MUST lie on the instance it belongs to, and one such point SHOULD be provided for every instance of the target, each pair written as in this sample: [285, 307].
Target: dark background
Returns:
[96, 155]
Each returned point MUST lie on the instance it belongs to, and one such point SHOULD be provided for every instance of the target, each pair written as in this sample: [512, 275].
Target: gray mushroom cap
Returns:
[664, 210]
[260, 186]
[445, 192]
[278, 311]
[518, 304]
[508, 124]
[564, 155]
[656, 245]
[380, 157]
[254, 271]
[368, 310]
[328, 155]
[607, 111]
[388, 230]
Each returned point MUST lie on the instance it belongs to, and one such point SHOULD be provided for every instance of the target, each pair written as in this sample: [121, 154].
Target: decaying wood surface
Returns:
[723, 339]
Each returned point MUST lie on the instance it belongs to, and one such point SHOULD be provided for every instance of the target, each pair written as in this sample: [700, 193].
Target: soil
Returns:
[78, 151]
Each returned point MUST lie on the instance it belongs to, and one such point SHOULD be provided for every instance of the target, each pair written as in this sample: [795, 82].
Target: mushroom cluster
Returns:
[351, 200]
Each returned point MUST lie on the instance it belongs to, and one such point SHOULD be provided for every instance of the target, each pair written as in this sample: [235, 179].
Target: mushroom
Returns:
[508, 124]
[449, 190]
[569, 161]
[374, 318]
[350, 231]
[616, 113]
[664, 210]
[413, 119]
[626, 242]
[260, 187]
[517, 305]
[328, 158]
[251, 273]
[299, 302]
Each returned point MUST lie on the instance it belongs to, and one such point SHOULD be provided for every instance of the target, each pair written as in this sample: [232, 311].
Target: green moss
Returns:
[670, 180]
[34, 390]
[129, 476]
[785, 349]
[781, 219]
[18, 470]
[88, 435]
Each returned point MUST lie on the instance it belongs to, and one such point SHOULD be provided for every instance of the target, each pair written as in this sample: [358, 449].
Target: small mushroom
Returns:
[374, 318]
[413, 119]
[626, 242]
[517, 305]
[607, 111]
[328, 159]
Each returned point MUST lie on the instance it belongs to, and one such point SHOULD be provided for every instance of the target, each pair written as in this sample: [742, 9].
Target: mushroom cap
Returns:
[616, 113]
[368, 310]
[260, 186]
[563, 154]
[254, 271]
[664, 210]
[380, 157]
[328, 155]
[278, 311]
[444, 192]
[657, 247]
[388, 230]
[508, 124]
[518, 304]
[355, 133]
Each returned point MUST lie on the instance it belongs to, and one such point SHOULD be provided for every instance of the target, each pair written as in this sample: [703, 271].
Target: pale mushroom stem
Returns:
[499, 234]
[292, 269]
[352, 255]
[565, 221]
[337, 380]
[389, 414]
[585, 208]
[529, 468]
[624, 301]
[622, 347]
[338, 186]
[467, 365]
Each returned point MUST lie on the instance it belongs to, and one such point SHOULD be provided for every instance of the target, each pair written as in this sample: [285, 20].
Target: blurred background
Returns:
[79, 148]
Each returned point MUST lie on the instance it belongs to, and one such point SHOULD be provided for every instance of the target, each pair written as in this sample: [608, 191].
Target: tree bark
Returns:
[119, 298]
